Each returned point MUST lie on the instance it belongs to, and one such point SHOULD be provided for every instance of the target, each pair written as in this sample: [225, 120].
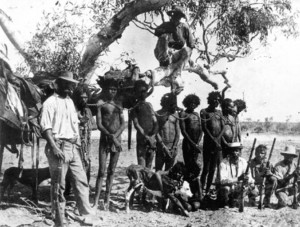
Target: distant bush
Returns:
[272, 127]
[296, 128]
[258, 129]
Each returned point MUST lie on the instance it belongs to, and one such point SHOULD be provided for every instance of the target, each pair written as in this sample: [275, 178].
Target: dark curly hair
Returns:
[168, 99]
[240, 104]
[140, 83]
[225, 103]
[191, 98]
[106, 83]
[213, 96]
[78, 91]
[261, 147]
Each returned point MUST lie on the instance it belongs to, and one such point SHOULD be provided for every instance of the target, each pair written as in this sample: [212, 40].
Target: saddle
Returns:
[18, 117]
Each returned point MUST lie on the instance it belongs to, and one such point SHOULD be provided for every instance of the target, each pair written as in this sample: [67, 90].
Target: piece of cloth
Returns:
[229, 172]
[59, 114]
[74, 164]
[14, 101]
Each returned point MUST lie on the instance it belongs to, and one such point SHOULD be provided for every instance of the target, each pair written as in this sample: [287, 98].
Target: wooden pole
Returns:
[37, 162]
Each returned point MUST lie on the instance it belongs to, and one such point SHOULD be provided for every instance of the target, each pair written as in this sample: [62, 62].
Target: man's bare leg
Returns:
[114, 157]
[101, 173]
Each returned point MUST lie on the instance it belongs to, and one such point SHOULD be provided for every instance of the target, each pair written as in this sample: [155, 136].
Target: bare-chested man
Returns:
[169, 133]
[212, 125]
[191, 130]
[146, 125]
[110, 122]
[231, 127]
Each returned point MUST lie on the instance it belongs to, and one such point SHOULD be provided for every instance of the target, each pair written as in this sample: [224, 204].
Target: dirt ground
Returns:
[20, 212]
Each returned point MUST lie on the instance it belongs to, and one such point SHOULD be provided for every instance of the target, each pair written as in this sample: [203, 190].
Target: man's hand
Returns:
[167, 150]
[151, 141]
[58, 153]
[296, 173]
[176, 45]
[244, 178]
[116, 142]
[267, 171]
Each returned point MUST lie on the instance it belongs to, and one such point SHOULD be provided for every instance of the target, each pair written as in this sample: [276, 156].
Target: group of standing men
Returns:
[158, 134]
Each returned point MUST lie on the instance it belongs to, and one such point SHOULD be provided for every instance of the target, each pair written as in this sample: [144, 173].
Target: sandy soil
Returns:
[19, 212]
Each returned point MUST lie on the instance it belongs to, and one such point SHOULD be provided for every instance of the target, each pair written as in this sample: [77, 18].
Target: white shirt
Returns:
[229, 172]
[59, 114]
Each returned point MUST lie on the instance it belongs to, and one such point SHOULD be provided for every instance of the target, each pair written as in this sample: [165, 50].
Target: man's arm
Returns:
[50, 139]
[184, 133]
[137, 126]
[99, 122]
[201, 132]
[189, 37]
[122, 126]
[155, 125]
[177, 134]
[204, 120]
[163, 29]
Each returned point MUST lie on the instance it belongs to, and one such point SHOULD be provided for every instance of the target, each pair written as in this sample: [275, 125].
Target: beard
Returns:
[68, 92]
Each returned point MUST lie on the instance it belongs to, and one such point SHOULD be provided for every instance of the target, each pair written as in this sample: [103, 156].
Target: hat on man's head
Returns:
[290, 150]
[68, 76]
[235, 145]
[176, 10]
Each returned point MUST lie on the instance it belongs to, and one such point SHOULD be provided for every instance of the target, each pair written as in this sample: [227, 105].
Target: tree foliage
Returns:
[222, 28]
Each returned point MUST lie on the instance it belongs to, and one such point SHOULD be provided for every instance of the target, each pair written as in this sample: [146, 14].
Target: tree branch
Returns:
[145, 26]
[113, 30]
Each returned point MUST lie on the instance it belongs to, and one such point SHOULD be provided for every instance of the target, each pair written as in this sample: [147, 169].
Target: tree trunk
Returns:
[113, 31]
[12, 33]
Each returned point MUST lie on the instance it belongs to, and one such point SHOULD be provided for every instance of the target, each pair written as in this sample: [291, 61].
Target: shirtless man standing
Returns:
[231, 127]
[169, 133]
[146, 125]
[191, 130]
[212, 125]
[110, 122]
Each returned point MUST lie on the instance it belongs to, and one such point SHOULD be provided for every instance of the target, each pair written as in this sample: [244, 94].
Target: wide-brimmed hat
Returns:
[68, 76]
[176, 10]
[290, 150]
[235, 145]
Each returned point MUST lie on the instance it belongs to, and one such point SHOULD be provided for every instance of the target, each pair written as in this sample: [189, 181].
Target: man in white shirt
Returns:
[232, 175]
[59, 124]
[285, 171]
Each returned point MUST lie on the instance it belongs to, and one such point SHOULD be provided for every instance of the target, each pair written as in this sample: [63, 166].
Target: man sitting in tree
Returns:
[191, 130]
[175, 43]
[146, 125]
[168, 134]
[174, 49]
[212, 125]
[110, 122]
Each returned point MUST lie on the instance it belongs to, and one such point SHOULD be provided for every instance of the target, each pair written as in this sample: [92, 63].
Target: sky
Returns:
[269, 79]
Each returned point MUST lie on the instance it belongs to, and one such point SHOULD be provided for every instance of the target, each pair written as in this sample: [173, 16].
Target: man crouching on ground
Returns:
[232, 172]
[59, 124]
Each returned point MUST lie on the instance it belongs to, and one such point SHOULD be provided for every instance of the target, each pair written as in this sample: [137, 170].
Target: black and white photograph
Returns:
[142, 113]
